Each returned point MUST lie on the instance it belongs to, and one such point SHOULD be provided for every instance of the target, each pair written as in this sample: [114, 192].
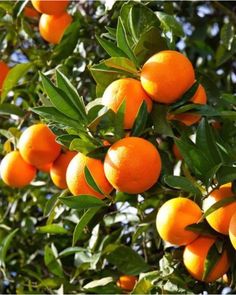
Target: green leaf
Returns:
[102, 286]
[52, 114]
[82, 146]
[59, 99]
[71, 250]
[52, 262]
[84, 220]
[170, 24]
[66, 139]
[202, 228]
[143, 286]
[122, 41]
[227, 35]
[13, 77]
[18, 8]
[222, 203]
[180, 182]
[52, 229]
[4, 246]
[122, 63]
[91, 182]
[82, 202]
[11, 109]
[127, 260]
[119, 120]
[213, 256]
[64, 83]
[160, 122]
[110, 47]
[140, 120]
[226, 174]
[50, 204]
[68, 43]
[206, 141]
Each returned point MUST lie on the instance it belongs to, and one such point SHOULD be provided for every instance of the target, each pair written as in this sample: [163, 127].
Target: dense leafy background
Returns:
[51, 243]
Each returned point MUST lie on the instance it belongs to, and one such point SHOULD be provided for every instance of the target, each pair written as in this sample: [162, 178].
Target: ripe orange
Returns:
[172, 218]
[52, 27]
[126, 282]
[50, 6]
[194, 259]
[132, 165]
[167, 75]
[190, 119]
[59, 167]
[31, 12]
[15, 172]
[132, 92]
[38, 145]
[176, 152]
[232, 230]
[220, 219]
[4, 69]
[45, 168]
[76, 180]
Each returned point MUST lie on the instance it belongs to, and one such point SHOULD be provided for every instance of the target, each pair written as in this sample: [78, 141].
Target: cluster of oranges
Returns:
[178, 213]
[54, 19]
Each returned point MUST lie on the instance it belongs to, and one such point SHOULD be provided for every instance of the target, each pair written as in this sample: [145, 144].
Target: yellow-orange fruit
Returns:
[167, 75]
[131, 91]
[173, 217]
[232, 230]
[127, 282]
[219, 220]
[59, 167]
[132, 165]
[52, 27]
[176, 152]
[76, 180]
[31, 12]
[38, 145]
[15, 172]
[190, 119]
[4, 69]
[194, 260]
[50, 6]
[45, 168]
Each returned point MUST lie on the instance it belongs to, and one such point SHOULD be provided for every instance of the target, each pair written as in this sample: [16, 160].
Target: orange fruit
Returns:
[15, 172]
[173, 217]
[232, 230]
[45, 167]
[59, 167]
[132, 165]
[4, 69]
[30, 12]
[127, 282]
[131, 91]
[76, 180]
[176, 152]
[52, 27]
[194, 259]
[50, 6]
[38, 145]
[190, 119]
[219, 220]
[167, 75]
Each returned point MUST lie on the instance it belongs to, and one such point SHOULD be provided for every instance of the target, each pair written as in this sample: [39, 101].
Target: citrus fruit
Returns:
[219, 220]
[132, 165]
[173, 217]
[167, 75]
[190, 119]
[131, 91]
[38, 145]
[50, 7]
[30, 12]
[76, 180]
[194, 260]
[45, 167]
[59, 167]
[52, 27]
[176, 152]
[126, 282]
[232, 230]
[15, 172]
[4, 69]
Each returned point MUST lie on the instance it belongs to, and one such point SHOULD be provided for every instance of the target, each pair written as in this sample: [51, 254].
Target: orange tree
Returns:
[93, 197]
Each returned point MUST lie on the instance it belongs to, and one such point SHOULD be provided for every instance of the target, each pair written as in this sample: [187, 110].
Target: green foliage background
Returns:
[50, 241]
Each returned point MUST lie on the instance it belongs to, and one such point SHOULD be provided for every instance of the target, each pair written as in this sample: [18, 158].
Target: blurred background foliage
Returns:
[36, 230]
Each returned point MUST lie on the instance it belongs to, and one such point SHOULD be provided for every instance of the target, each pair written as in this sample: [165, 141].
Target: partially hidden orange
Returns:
[4, 69]
[126, 282]
[54, 7]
